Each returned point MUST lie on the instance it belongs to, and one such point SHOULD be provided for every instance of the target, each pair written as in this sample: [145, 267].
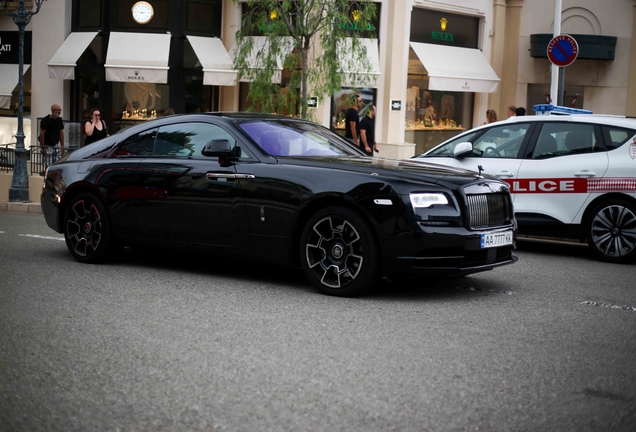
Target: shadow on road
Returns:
[428, 288]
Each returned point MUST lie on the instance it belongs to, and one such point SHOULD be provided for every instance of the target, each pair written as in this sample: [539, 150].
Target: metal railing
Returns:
[7, 157]
[39, 157]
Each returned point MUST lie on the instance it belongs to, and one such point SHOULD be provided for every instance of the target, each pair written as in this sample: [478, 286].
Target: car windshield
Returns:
[295, 138]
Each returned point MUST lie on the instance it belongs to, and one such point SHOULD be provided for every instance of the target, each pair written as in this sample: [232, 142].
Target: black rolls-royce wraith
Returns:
[280, 190]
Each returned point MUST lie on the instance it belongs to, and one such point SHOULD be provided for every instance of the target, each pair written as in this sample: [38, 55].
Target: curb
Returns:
[20, 207]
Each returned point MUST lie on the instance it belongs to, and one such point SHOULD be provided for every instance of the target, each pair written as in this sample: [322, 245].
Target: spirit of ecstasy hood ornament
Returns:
[480, 168]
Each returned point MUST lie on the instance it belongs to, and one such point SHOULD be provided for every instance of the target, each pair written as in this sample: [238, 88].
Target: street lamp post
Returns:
[19, 190]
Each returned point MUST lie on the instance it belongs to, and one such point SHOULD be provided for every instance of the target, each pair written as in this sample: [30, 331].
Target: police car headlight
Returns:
[426, 200]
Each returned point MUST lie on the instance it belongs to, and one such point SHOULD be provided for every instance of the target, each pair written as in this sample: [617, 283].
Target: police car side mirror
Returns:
[462, 150]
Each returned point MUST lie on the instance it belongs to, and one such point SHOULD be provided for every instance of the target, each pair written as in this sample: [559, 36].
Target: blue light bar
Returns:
[547, 109]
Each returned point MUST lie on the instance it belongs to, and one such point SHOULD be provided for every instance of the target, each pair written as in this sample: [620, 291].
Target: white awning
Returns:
[353, 74]
[138, 57]
[8, 82]
[62, 65]
[456, 69]
[260, 48]
[218, 67]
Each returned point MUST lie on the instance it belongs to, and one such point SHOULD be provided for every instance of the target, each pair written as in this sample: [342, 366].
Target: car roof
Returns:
[628, 122]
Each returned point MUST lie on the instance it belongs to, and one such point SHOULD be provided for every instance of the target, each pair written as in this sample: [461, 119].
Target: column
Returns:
[395, 71]
[508, 86]
[631, 89]
[497, 55]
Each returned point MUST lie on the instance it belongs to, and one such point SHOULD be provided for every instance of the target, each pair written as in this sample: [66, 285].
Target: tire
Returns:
[611, 231]
[339, 253]
[87, 230]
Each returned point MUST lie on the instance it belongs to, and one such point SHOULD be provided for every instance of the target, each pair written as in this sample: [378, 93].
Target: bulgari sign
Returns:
[9, 46]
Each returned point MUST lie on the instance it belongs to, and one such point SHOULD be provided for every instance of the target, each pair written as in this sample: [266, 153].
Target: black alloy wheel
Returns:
[87, 230]
[611, 231]
[339, 252]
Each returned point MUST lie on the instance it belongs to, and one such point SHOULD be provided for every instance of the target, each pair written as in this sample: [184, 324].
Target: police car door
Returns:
[554, 175]
[498, 151]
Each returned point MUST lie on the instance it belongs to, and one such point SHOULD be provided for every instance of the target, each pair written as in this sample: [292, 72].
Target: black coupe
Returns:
[278, 190]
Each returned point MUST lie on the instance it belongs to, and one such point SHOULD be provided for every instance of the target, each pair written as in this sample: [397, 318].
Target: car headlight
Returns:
[425, 200]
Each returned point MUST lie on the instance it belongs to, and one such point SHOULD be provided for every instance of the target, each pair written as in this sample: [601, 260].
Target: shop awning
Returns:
[260, 48]
[8, 82]
[218, 67]
[353, 74]
[456, 69]
[138, 57]
[62, 65]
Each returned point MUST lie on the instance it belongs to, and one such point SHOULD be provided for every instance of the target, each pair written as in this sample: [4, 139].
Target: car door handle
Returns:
[585, 173]
[222, 175]
[505, 173]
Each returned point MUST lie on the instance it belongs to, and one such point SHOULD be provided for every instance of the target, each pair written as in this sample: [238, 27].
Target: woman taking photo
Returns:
[95, 128]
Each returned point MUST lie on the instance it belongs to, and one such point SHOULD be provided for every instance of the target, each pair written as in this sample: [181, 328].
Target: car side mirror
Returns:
[462, 150]
[217, 147]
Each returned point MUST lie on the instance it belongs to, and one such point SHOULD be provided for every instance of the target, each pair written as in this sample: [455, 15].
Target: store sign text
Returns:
[4, 48]
[442, 36]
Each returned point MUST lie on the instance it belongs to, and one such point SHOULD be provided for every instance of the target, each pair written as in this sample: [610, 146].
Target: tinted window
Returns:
[292, 138]
[616, 137]
[140, 144]
[448, 148]
[561, 139]
[188, 139]
[501, 141]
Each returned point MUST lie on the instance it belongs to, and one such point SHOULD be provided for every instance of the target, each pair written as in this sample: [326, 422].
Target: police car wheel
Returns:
[611, 231]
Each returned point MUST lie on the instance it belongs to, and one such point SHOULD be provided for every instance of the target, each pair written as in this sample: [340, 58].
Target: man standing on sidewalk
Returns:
[51, 136]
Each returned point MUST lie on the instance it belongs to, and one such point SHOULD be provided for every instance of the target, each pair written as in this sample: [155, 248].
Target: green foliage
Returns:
[304, 37]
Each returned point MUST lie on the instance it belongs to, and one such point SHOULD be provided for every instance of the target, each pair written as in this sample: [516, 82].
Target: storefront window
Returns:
[89, 14]
[88, 93]
[134, 102]
[341, 102]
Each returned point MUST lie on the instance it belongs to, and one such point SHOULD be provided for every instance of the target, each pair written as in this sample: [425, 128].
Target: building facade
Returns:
[439, 65]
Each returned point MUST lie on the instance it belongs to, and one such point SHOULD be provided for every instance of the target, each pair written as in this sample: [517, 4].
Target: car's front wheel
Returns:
[611, 231]
[87, 230]
[339, 252]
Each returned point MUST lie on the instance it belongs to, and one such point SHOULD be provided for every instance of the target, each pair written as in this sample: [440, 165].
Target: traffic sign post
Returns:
[562, 51]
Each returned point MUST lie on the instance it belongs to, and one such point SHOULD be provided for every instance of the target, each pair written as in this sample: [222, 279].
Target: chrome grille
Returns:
[488, 210]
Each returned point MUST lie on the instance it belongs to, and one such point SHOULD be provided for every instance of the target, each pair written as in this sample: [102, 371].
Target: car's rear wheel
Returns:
[611, 231]
[87, 230]
[339, 252]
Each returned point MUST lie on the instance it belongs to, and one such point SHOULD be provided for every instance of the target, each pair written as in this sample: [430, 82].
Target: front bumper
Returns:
[450, 251]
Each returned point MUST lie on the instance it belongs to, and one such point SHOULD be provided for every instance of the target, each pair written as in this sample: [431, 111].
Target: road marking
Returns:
[42, 237]
[1, 232]
[611, 306]
[485, 290]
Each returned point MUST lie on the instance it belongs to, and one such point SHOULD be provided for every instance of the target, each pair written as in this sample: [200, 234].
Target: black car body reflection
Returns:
[277, 190]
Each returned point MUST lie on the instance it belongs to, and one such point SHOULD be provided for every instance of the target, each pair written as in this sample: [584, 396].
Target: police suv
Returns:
[572, 174]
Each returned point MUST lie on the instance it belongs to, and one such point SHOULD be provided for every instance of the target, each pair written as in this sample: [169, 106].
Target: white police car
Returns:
[571, 175]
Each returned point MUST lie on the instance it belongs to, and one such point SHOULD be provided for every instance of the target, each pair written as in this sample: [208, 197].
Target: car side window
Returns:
[188, 139]
[502, 141]
[563, 139]
[140, 144]
[448, 148]
[615, 137]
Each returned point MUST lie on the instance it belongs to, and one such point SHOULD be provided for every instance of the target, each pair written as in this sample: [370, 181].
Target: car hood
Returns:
[449, 177]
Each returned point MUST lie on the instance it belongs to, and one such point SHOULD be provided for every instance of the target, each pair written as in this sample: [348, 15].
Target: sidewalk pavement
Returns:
[20, 207]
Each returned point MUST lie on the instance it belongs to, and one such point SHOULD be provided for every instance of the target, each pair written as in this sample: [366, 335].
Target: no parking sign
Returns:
[563, 50]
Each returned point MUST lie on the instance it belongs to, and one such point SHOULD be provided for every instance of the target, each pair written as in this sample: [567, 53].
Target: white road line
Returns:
[42, 237]
[1, 232]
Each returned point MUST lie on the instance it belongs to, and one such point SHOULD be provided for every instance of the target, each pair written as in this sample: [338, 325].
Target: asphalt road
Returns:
[177, 342]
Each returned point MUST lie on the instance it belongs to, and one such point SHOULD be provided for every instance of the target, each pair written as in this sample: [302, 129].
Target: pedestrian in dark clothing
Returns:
[95, 128]
[51, 136]
[367, 132]
[521, 111]
[352, 120]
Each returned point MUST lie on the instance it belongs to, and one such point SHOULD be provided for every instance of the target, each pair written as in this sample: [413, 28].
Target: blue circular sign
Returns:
[563, 50]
